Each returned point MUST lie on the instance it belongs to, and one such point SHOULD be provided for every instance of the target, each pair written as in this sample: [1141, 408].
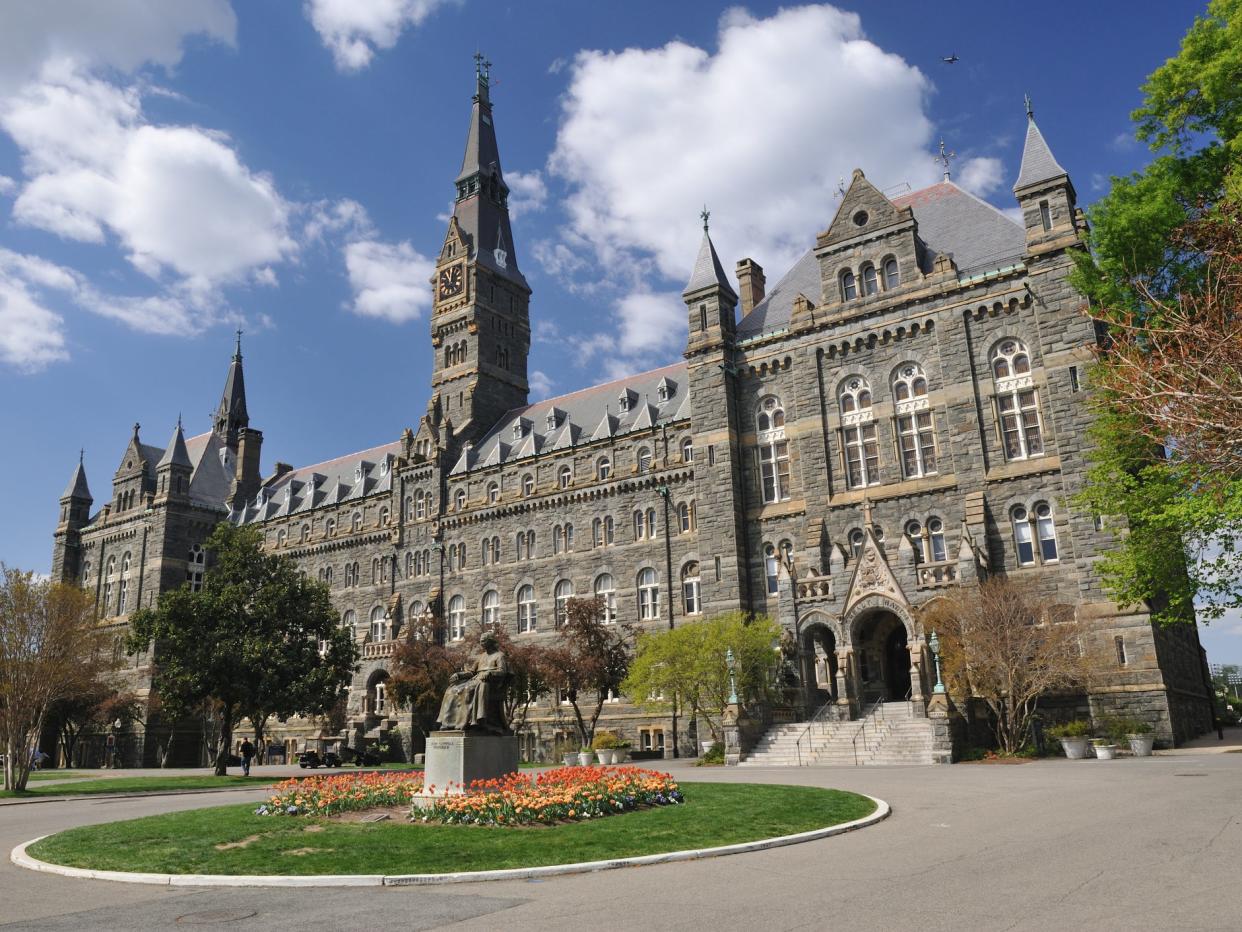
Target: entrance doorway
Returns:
[884, 657]
[820, 661]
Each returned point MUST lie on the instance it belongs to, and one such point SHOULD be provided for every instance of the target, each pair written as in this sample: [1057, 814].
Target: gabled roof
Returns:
[1038, 162]
[589, 406]
[342, 479]
[950, 220]
[212, 479]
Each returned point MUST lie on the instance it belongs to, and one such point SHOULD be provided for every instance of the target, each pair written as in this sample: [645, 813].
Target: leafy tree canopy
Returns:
[258, 639]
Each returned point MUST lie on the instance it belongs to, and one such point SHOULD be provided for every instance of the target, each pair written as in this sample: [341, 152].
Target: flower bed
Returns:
[346, 792]
[566, 794]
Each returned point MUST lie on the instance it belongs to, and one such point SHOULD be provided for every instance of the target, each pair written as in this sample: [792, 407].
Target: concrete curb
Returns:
[22, 859]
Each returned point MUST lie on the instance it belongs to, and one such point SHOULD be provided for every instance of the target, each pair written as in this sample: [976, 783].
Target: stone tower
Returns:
[75, 514]
[480, 326]
[240, 443]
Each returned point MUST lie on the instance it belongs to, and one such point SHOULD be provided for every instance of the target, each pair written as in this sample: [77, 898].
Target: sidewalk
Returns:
[1210, 743]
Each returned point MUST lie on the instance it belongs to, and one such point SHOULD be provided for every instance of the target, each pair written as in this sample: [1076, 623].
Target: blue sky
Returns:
[171, 170]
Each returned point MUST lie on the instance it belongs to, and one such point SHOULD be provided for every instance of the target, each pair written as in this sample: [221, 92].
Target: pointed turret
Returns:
[231, 415]
[1045, 194]
[709, 297]
[77, 488]
[482, 207]
[176, 453]
[172, 472]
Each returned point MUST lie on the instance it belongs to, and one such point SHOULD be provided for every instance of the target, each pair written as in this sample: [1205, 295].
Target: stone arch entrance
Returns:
[378, 702]
[819, 655]
[881, 644]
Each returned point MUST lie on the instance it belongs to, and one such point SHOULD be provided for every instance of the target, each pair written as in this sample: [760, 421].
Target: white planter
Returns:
[1141, 745]
[1075, 748]
[584, 758]
[1106, 751]
[606, 756]
[623, 754]
[570, 759]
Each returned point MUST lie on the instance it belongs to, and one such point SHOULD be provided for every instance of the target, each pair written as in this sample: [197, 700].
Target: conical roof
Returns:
[77, 487]
[176, 454]
[1038, 162]
[708, 272]
[232, 410]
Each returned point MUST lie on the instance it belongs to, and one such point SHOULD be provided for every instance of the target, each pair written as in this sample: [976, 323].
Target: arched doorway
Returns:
[819, 655]
[881, 647]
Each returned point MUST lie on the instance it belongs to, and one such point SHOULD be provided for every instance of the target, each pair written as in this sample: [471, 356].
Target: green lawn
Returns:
[190, 842]
[37, 775]
[136, 785]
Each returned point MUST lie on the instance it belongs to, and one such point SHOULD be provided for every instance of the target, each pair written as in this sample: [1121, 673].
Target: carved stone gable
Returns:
[872, 575]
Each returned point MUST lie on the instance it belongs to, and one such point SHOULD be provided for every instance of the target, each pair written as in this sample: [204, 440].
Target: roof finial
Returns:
[706, 215]
[944, 157]
[136, 426]
[237, 348]
[1030, 110]
[178, 420]
[81, 456]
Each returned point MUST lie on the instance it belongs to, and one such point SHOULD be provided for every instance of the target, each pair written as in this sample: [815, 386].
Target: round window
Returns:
[861, 218]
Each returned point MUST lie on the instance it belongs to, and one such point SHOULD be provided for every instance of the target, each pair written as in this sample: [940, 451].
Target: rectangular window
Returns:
[1026, 547]
[917, 439]
[862, 455]
[1045, 215]
[717, 560]
[1120, 643]
[1020, 427]
[1073, 373]
[770, 571]
[774, 470]
[711, 455]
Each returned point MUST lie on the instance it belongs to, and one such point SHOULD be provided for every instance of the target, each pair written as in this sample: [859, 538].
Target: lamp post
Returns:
[1235, 680]
[437, 544]
[934, 643]
[666, 494]
[729, 662]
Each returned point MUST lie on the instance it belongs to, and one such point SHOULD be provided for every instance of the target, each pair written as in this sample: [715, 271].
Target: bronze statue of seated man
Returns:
[475, 698]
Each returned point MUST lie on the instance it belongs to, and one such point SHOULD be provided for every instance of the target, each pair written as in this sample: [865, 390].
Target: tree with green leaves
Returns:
[688, 665]
[1165, 275]
[590, 658]
[258, 639]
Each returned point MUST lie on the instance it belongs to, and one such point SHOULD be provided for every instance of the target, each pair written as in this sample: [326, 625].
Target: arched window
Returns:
[685, 517]
[420, 505]
[687, 450]
[892, 277]
[558, 540]
[603, 469]
[871, 284]
[416, 610]
[855, 539]
[409, 564]
[914, 531]
[109, 572]
[609, 529]
[491, 609]
[329, 527]
[383, 518]
[564, 477]
[409, 508]
[459, 499]
[349, 621]
[563, 592]
[461, 555]
[530, 545]
[640, 526]
[327, 575]
[569, 537]
[528, 485]
[1022, 536]
[122, 602]
[849, 287]
[771, 569]
[644, 459]
[379, 624]
[376, 572]
[916, 432]
[519, 542]
[493, 493]
[935, 537]
[527, 610]
[380, 699]
[1017, 401]
[692, 602]
[606, 591]
[648, 595]
[355, 521]
[496, 549]
[305, 534]
[773, 451]
[457, 618]
[858, 433]
[651, 523]
[1046, 531]
[195, 564]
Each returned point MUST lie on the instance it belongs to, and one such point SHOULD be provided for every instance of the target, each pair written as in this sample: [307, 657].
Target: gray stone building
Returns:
[902, 412]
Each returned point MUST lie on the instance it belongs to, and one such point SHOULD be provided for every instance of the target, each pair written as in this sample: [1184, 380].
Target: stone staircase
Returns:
[889, 734]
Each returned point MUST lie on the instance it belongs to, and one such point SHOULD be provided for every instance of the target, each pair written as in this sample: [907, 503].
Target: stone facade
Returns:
[835, 455]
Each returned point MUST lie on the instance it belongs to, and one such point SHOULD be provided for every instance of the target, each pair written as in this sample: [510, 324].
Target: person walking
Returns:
[247, 752]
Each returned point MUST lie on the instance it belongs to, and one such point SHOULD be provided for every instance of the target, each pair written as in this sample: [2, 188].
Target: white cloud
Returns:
[7, 185]
[527, 192]
[95, 168]
[354, 30]
[119, 34]
[389, 280]
[540, 384]
[1124, 142]
[981, 176]
[645, 329]
[31, 336]
[748, 129]
[345, 217]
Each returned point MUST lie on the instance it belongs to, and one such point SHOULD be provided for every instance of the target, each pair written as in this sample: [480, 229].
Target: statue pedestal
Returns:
[458, 757]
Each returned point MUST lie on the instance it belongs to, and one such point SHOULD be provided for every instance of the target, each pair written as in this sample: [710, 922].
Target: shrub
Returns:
[714, 755]
[1074, 729]
[605, 741]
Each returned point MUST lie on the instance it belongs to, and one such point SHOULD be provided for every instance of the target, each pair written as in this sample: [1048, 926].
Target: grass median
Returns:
[232, 840]
[137, 785]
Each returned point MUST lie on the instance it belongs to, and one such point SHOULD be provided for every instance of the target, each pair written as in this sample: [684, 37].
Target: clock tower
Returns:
[480, 324]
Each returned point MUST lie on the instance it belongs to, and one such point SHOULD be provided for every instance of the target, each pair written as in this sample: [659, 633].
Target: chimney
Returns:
[750, 284]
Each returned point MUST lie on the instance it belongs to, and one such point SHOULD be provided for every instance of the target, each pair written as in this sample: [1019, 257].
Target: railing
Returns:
[375, 650]
[935, 575]
[873, 716]
[825, 714]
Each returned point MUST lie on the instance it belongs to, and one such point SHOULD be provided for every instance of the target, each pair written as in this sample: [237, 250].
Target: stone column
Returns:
[940, 711]
[732, 735]
[916, 676]
[846, 680]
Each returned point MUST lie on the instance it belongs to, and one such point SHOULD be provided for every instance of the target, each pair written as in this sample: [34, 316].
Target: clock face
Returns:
[451, 283]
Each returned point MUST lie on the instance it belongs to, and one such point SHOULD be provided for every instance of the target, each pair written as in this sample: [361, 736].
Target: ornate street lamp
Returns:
[934, 643]
[732, 677]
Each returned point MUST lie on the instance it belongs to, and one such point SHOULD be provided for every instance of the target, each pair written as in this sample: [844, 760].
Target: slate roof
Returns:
[342, 479]
[175, 454]
[708, 272]
[950, 220]
[1038, 162]
[582, 416]
[77, 487]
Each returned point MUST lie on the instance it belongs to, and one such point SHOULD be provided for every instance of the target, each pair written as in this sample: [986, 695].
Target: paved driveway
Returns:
[1128, 844]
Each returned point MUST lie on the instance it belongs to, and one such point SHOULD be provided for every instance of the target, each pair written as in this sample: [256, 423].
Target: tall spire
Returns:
[77, 487]
[708, 272]
[176, 453]
[231, 415]
[482, 206]
[1038, 162]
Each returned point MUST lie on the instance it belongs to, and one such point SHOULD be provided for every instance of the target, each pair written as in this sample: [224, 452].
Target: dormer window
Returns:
[665, 390]
[383, 467]
[553, 421]
[518, 431]
[502, 257]
[623, 402]
[357, 473]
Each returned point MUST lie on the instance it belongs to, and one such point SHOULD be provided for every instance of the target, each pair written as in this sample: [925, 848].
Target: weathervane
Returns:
[482, 67]
[944, 157]
[840, 192]
[1030, 110]
[706, 215]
